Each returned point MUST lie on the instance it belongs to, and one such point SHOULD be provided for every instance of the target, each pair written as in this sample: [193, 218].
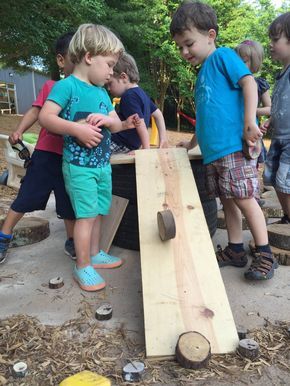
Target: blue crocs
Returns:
[103, 260]
[88, 279]
[4, 245]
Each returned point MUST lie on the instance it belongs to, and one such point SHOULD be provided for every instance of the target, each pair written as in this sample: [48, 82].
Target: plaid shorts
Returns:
[115, 148]
[232, 176]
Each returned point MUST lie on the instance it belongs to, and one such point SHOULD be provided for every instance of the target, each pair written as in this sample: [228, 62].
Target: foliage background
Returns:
[28, 31]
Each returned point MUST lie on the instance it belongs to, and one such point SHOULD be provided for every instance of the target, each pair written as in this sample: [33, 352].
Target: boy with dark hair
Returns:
[224, 85]
[44, 174]
[277, 166]
[124, 83]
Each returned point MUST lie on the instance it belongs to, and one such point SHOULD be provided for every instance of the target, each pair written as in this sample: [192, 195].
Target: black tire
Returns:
[124, 185]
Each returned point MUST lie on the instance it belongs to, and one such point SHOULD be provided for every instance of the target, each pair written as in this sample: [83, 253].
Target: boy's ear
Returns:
[88, 58]
[123, 76]
[60, 60]
[212, 34]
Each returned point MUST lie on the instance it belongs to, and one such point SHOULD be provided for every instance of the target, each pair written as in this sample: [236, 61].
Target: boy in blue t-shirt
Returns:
[226, 101]
[124, 83]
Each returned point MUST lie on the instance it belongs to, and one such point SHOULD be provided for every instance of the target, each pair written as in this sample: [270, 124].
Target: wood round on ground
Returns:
[248, 348]
[282, 256]
[56, 282]
[279, 235]
[29, 230]
[166, 225]
[193, 350]
[272, 212]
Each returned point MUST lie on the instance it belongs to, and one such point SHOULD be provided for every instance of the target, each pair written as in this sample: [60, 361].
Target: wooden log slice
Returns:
[279, 235]
[193, 350]
[272, 211]
[29, 230]
[166, 225]
[248, 348]
[282, 256]
[252, 152]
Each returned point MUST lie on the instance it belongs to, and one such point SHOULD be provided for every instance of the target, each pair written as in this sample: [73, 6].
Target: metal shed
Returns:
[19, 90]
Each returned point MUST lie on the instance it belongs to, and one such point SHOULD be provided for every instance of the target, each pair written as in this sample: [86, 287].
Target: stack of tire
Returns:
[124, 185]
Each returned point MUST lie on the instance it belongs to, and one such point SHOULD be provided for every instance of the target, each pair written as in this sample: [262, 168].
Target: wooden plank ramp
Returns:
[182, 286]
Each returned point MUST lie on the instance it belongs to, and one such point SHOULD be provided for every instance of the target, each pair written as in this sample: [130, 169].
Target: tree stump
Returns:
[193, 350]
[282, 256]
[279, 235]
[29, 230]
[248, 348]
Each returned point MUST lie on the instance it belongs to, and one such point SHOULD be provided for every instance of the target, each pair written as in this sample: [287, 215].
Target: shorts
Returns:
[277, 165]
[90, 189]
[232, 176]
[116, 148]
[43, 175]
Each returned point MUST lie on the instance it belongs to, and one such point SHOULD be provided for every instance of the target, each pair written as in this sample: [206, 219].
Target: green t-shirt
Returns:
[78, 99]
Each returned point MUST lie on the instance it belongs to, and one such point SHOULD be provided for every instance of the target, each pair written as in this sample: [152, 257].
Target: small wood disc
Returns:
[279, 235]
[132, 371]
[56, 282]
[193, 350]
[19, 369]
[104, 312]
[252, 152]
[248, 348]
[166, 225]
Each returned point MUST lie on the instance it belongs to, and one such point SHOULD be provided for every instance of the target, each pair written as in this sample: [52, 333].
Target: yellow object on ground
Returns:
[154, 133]
[86, 378]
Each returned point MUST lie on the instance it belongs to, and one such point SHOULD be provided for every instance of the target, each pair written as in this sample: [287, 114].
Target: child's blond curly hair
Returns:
[253, 52]
[95, 39]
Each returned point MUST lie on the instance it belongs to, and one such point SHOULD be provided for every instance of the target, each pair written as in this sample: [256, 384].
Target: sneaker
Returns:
[103, 260]
[4, 245]
[284, 220]
[69, 248]
[262, 267]
[229, 257]
[88, 279]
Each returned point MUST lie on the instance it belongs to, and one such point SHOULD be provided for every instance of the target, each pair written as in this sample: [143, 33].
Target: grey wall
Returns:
[24, 86]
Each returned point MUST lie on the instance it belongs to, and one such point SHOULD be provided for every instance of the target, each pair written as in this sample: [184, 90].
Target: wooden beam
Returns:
[182, 286]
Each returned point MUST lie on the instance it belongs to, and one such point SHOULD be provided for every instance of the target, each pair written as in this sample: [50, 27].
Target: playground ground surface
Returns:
[66, 338]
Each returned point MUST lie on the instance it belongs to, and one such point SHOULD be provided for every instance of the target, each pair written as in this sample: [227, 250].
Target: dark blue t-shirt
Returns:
[133, 101]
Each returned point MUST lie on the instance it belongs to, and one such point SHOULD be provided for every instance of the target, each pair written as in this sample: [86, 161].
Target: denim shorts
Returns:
[90, 189]
[277, 165]
[43, 176]
[232, 176]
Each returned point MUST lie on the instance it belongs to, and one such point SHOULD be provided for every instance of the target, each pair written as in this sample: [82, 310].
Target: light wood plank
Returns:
[112, 221]
[182, 286]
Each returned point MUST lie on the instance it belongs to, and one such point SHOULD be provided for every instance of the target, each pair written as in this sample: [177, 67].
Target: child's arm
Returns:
[188, 144]
[265, 110]
[89, 135]
[160, 123]
[28, 119]
[112, 121]
[251, 130]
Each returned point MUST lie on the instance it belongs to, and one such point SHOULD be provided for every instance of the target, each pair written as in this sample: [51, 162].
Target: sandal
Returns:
[262, 267]
[88, 279]
[103, 260]
[256, 255]
[229, 257]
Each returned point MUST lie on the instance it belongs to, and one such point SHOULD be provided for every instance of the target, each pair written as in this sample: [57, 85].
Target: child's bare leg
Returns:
[284, 199]
[69, 227]
[95, 238]
[99, 258]
[255, 219]
[82, 237]
[233, 218]
[11, 220]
